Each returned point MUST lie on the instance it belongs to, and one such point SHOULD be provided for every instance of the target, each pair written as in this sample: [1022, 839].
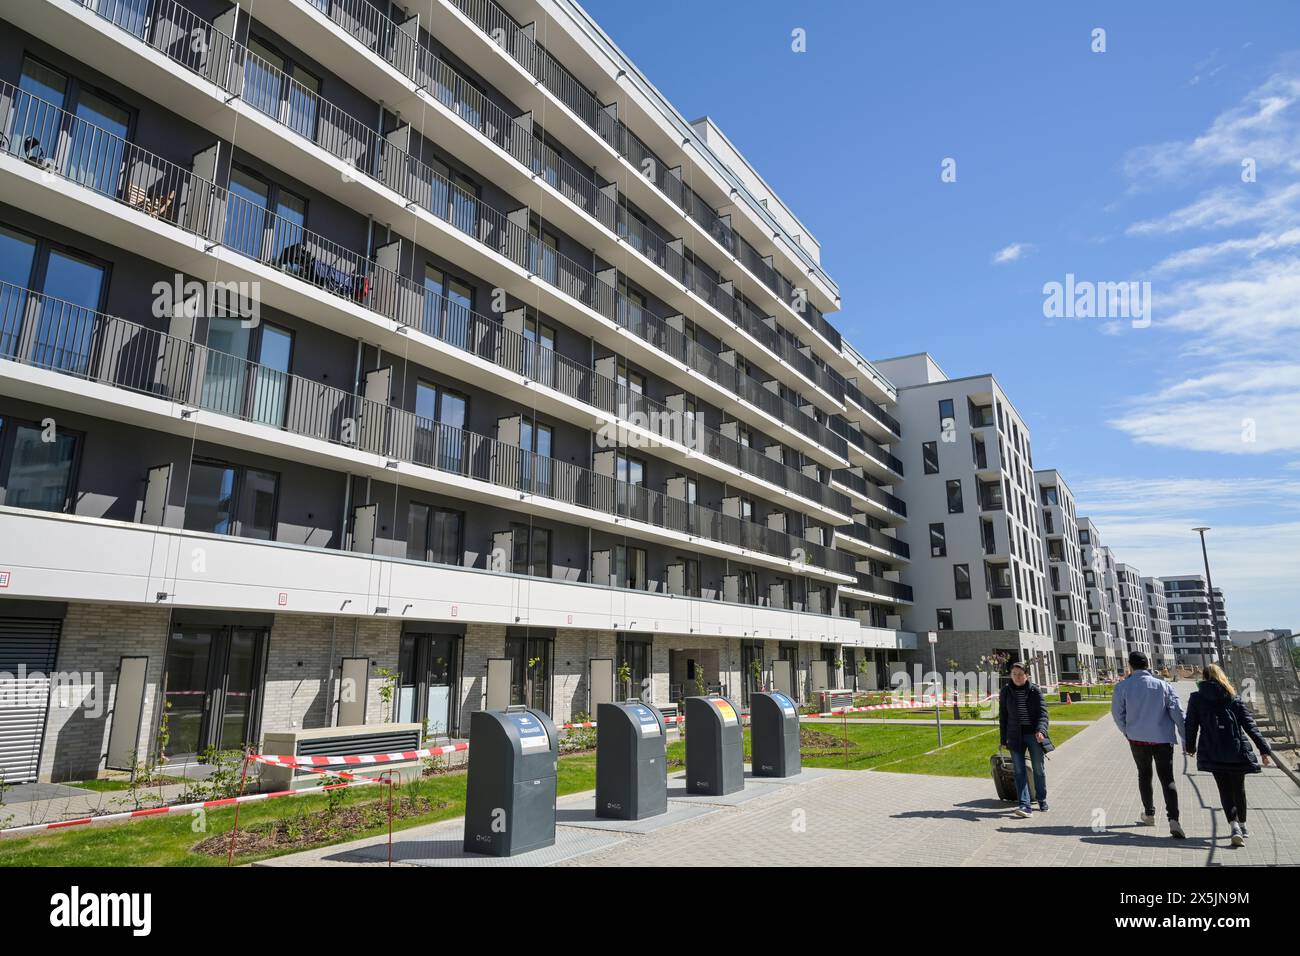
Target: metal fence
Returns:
[1267, 675]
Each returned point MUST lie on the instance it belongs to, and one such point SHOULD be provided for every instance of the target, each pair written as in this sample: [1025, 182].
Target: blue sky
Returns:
[1115, 166]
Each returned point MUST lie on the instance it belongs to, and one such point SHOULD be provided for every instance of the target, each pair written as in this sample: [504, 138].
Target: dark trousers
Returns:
[1162, 757]
[1232, 794]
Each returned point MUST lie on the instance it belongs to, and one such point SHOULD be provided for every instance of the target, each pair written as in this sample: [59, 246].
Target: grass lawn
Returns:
[968, 757]
[1084, 710]
[115, 786]
[166, 841]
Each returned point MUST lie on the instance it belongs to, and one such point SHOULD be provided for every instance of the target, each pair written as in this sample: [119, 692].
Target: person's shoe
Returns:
[1237, 838]
[1042, 806]
[1021, 812]
[1147, 820]
[1245, 834]
[1176, 830]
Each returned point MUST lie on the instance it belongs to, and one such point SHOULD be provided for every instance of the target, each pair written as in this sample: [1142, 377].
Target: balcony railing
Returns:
[168, 27]
[869, 491]
[855, 438]
[65, 145]
[878, 585]
[874, 538]
[60, 336]
[856, 395]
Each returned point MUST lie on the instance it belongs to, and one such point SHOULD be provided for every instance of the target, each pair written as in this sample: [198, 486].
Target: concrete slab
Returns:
[678, 812]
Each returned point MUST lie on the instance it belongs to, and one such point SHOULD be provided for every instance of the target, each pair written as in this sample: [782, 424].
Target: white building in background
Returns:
[1099, 588]
[974, 526]
[1134, 627]
[1162, 648]
[1193, 620]
[1075, 650]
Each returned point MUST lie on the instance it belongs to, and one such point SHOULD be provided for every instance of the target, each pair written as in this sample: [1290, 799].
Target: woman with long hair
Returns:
[1225, 727]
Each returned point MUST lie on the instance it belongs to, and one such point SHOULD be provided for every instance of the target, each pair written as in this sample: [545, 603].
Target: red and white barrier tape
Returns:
[304, 763]
[185, 807]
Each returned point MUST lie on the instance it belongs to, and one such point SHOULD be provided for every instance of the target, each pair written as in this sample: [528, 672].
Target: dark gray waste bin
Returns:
[715, 746]
[773, 735]
[510, 795]
[631, 766]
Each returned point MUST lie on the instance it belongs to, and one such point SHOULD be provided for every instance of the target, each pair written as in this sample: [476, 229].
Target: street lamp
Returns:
[1209, 599]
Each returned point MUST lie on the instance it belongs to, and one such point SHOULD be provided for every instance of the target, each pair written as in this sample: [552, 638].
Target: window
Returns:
[930, 457]
[440, 417]
[448, 307]
[1050, 496]
[954, 496]
[258, 212]
[946, 414]
[944, 619]
[435, 534]
[938, 541]
[630, 568]
[690, 576]
[545, 252]
[38, 473]
[961, 581]
[532, 551]
[995, 617]
[232, 499]
[280, 89]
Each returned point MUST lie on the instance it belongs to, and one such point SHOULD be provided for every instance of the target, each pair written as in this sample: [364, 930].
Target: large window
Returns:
[943, 619]
[630, 567]
[38, 465]
[946, 414]
[961, 581]
[938, 541]
[930, 457]
[532, 551]
[448, 307]
[954, 496]
[435, 534]
[232, 499]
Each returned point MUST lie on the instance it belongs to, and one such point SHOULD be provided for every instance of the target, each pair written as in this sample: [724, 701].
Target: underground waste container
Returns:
[510, 795]
[715, 746]
[631, 765]
[773, 735]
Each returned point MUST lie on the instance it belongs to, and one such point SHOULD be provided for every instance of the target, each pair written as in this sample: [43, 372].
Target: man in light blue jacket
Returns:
[1147, 712]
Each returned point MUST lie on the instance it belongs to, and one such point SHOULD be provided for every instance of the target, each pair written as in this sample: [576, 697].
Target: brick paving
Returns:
[882, 819]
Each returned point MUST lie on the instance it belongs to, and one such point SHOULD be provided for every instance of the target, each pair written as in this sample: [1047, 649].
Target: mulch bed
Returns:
[303, 830]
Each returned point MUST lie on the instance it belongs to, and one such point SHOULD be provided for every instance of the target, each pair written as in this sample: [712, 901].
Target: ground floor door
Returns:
[28, 649]
[426, 692]
[212, 689]
[530, 670]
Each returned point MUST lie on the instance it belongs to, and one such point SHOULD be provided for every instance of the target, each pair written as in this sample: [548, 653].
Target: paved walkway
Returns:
[846, 817]
[883, 819]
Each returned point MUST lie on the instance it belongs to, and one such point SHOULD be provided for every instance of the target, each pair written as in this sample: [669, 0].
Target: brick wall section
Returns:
[95, 638]
[482, 641]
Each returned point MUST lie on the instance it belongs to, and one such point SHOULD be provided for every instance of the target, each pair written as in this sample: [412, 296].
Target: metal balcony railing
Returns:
[57, 335]
[878, 585]
[869, 491]
[170, 28]
[855, 437]
[65, 145]
[875, 538]
[857, 397]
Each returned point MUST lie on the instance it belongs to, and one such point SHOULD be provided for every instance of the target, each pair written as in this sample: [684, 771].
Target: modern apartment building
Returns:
[1098, 582]
[1162, 645]
[974, 527]
[1192, 624]
[1131, 613]
[1065, 566]
[425, 343]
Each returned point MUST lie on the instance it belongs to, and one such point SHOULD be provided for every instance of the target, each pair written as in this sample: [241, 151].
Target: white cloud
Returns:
[1012, 253]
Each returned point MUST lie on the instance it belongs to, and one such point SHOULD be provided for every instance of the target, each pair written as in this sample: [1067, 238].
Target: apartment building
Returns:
[1162, 645]
[1131, 613]
[1065, 565]
[1192, 624]
[390, 341]
[1100, 598]
[974, 527]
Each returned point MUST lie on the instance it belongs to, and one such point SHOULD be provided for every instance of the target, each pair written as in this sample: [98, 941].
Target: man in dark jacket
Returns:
[1225, 727]
[1022, 721]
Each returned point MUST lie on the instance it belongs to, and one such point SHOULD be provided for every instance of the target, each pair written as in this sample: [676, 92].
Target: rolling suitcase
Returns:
[1004, 777]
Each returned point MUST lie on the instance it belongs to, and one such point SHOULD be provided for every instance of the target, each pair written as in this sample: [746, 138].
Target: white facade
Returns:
[1065, 564]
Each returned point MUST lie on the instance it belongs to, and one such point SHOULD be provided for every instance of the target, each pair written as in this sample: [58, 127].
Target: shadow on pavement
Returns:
[970, 810]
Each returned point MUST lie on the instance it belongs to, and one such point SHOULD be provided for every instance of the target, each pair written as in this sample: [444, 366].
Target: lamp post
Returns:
[1209, 599]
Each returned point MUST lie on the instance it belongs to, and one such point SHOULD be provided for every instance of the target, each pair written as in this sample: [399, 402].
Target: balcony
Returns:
[62, 337]
[885, 463]
[873, 539]
[874, 412]
[61, 144]
[877, 586]
[865, 490]
[396, 45]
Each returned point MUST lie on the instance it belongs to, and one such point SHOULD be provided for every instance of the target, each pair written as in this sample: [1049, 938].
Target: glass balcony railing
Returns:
[866, 489]
[169, 27]
[53, 334]
[878, 585]
[875, 538]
